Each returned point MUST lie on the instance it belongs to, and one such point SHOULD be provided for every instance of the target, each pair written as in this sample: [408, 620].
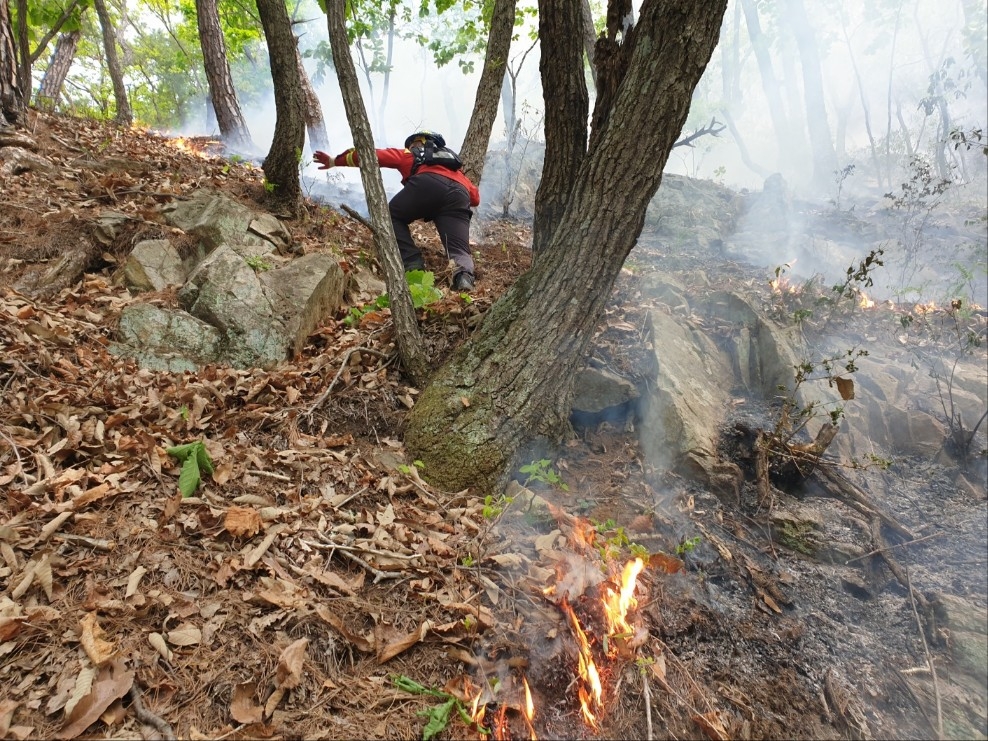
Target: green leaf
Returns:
[202, 457]
[438, 718]
[188, 480]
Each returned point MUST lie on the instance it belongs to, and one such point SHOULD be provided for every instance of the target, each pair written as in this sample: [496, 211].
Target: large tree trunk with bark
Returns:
[567, 102]
[478, 136]
[12, 103]
[410, 346]
[511, 383]
[124, 116]
[229, 117]
[58, 69]
[281, 164]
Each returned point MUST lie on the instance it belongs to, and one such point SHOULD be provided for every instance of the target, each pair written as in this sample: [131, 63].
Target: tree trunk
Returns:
[824, 159]
[409, 340]
[23, 52]
[478, 136]
[233, 126]
[281, 165]
[567, 103]
[315, 123]
[124, 116]
[511, 383]
[58, 69]
[12, 104]
[770, 85]
[589, 39]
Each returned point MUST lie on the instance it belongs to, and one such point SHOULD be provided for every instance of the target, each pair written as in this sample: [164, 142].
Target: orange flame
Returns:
[587, 670]
[617, 603]
[529, 710]
[865, 302]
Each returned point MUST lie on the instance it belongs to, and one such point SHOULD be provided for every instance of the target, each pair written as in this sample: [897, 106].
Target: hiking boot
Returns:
[415, 265]
[463, 282]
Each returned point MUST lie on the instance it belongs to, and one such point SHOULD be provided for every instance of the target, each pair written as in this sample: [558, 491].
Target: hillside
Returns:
[315, 586]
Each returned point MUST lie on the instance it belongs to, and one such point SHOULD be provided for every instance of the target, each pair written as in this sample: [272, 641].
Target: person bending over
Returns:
[433, 189]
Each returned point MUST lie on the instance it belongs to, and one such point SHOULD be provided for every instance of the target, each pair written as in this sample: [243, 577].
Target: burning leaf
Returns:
[845, 387]
[98, 650]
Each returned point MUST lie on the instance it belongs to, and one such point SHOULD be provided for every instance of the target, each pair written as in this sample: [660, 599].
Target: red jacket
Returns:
[402, 161]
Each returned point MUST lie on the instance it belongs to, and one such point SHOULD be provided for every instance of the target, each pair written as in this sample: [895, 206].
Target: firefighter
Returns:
[433, 189]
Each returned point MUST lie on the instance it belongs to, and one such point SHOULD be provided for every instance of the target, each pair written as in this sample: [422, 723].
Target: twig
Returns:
[352, 497]
[929, 659]
[270, 475]
[97, 544]
[343, 366]
[20, 464]
[378, 574]
[648, 707]
[357, 216]
[146, 716]
[262, 548]
[891, 547]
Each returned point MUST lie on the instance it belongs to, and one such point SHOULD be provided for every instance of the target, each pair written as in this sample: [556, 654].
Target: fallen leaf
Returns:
[361, 643]
[240, 521]
[403, 643]
[290, 663]
[243, 709]
[712, 725]
[112, 683]
[845, 387]
[185, 634]
[134, 580]
[97, 649]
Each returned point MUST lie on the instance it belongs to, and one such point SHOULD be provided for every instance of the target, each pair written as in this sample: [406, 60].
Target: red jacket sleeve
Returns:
[397, 159]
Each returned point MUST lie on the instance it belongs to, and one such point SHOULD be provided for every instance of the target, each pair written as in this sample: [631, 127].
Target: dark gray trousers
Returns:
[442, 201]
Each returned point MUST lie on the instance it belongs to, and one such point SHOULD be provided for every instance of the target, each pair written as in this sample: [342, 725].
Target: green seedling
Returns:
[193, 457]
[258, 264]
[439, 715]
[543, 472]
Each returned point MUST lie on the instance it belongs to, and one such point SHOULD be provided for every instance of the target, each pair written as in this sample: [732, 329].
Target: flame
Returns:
[864, 302]
[587, 670]
[529, 710]
[617, 603]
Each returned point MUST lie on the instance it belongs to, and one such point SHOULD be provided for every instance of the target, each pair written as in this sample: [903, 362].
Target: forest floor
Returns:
[316, 587]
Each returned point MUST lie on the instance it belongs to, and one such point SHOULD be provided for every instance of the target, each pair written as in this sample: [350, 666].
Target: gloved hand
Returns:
[326, 160]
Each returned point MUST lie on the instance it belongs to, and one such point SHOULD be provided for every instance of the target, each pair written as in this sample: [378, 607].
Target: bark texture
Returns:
[12, 103]
[567, 102]
[478, 136]
[58, 69]
[409, 340]
[511, 384]
[281, 164]
[124, 116]
[229, 117]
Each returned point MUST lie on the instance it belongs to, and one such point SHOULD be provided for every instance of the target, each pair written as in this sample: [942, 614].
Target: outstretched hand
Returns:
[325, 160]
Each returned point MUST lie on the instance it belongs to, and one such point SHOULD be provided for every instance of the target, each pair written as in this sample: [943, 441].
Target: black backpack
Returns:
[431, 154]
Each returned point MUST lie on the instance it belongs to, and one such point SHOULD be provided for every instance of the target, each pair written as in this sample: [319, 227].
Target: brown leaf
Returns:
[666, 564]
[241, 521]
[112, 683]
[361, 643]
[98, 650]
[712, 725]
[243, 709]
[403, 643]
[845, 387]
[290, 664]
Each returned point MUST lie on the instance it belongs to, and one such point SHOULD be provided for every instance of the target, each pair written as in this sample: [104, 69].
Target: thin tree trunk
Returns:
[124, 116]
[770, 85]
[410, 346]
[824, 159]
[510, 385]
[281, 165]
[876, 161]
[58, 69]
[382, 120]
[888, 96]
[23, 52]
[12, 104]
[315, 123]
[589, 39]
[478, 136]
[226, 106]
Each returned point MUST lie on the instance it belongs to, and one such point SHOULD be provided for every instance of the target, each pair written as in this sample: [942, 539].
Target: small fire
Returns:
[864, 302]
[587, 670]
[617, 603]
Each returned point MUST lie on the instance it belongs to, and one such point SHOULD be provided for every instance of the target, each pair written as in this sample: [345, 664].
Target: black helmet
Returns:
[435, 137]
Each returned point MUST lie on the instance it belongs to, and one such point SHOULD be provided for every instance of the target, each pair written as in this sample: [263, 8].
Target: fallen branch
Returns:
[147, 717]
[841, 488]
[892, 547]
[357, 216]
[648, 706]
[929, 659]
[343, 366]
